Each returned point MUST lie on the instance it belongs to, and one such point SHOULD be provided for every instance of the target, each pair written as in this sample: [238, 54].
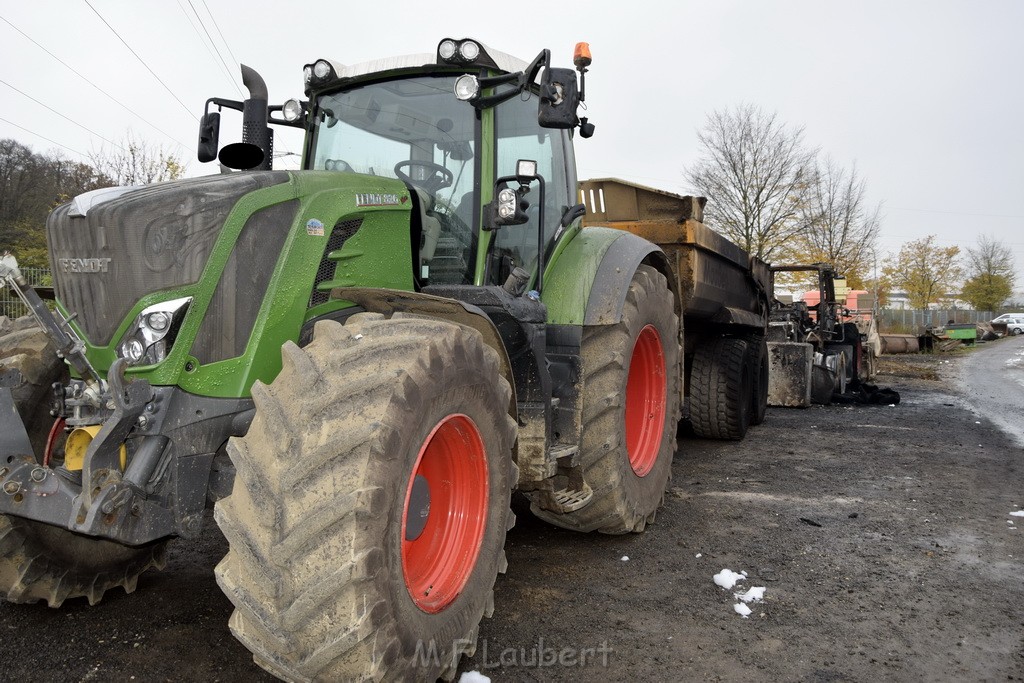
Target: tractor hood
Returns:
[110, 248]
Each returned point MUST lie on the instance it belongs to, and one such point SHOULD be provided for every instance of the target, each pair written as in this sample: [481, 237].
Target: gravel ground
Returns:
[880, 534]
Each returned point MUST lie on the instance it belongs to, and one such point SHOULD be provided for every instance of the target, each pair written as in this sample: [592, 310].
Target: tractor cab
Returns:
[453, 127]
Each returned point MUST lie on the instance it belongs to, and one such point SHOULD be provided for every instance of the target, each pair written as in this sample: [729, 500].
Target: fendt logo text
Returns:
[84, 265]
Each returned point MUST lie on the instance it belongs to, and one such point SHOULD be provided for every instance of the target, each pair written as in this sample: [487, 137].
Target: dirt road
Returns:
[880, 534]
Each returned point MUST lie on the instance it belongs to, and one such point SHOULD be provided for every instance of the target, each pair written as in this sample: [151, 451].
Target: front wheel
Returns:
[368, 517]
[630, 411]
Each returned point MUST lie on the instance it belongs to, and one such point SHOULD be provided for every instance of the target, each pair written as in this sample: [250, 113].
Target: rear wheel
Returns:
[630, 411]
[39, 561]
[368, 517]
[721, 384]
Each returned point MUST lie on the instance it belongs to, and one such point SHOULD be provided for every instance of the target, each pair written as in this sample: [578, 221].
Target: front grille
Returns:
[325, 272]
[242, 287]
[154, 238]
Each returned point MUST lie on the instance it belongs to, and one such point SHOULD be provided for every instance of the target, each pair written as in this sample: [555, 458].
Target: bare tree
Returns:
[927, 272]
[753, 170]
[990, 274]
[839, 227]
[136, 162]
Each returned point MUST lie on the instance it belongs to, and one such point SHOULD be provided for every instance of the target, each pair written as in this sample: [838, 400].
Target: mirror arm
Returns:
[221, 102]
[522, 80]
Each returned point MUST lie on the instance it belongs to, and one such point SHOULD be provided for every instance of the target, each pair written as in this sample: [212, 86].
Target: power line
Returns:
[217, 57]
[88, 130]
[141, 60]
[32, 132]
[223, 39]
[111, 97]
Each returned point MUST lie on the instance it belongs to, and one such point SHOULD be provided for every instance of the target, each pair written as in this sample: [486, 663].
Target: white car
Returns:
[1014, 322]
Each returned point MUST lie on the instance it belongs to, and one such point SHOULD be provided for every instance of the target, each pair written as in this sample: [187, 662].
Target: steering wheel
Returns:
[440, 179]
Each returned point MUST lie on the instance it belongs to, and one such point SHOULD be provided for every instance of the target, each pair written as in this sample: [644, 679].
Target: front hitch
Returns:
[104, 502]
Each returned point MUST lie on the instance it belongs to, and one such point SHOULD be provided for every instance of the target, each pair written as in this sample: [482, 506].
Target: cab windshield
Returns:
[413, 129]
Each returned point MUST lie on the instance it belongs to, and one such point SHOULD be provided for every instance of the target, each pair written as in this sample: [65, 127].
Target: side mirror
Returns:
[559, 98]
[209, 135]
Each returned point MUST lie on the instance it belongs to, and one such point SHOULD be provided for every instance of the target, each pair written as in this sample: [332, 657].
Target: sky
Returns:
[922, 97]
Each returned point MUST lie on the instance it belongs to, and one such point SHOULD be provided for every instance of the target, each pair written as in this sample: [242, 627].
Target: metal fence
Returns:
[10, 304]
[913, 321]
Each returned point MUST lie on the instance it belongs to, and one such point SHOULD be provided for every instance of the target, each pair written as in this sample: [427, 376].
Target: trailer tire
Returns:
[721, 384]
[758, 348]
[630, 411]
[39, 561]
[326, 569]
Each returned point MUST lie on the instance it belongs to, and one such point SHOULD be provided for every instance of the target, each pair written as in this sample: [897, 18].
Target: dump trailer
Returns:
[355, 363]
[723, 297]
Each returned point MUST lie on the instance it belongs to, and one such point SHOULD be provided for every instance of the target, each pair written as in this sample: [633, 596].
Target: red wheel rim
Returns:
[440, 556]
[645, 401]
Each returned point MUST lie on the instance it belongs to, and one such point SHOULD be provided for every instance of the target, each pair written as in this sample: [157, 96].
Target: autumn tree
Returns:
[753, 170]
[924, 270]
[136, 162]
[990, 275]
[840, 227]
[31, 184]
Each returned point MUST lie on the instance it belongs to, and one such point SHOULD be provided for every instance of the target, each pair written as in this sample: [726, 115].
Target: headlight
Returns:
[150, 337]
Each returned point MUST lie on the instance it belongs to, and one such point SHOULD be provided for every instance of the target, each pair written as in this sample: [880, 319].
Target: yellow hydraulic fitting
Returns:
[78, 443]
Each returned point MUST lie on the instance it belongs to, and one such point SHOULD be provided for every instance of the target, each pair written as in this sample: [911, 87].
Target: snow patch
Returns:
[755, 594]
[727, 578]
[473, 677]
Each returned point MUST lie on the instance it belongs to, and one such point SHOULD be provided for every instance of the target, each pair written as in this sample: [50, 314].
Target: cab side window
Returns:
[520, 137]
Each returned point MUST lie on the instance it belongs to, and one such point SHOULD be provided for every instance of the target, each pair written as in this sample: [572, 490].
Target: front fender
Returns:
[587, 282]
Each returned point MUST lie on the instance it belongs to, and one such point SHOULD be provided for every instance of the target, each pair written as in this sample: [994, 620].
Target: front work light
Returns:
[446, 50]
[467, 87]
[321, 69]
[469, 50]
[291, 110]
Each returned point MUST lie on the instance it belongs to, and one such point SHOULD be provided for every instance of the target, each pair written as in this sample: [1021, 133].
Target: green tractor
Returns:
[355, 363]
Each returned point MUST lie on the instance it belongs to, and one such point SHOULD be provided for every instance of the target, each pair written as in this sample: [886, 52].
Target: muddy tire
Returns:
[39, 561]
[27, 349]
[630, 411]
[757, 347]
[372, 426]
[721, 384]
